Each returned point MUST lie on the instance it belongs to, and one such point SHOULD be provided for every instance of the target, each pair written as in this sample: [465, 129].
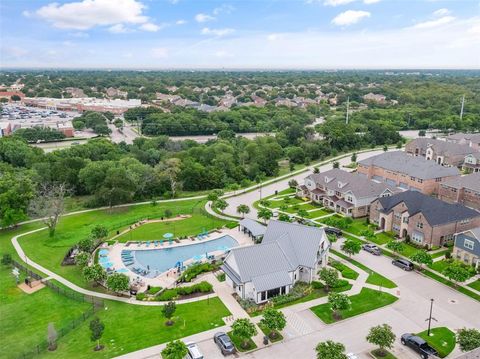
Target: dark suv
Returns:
[372, 248]
[224, 343]
[419, 345]
[404, 264]
[334, 231]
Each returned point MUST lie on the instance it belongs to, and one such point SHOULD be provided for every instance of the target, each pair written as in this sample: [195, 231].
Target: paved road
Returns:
[267, 190]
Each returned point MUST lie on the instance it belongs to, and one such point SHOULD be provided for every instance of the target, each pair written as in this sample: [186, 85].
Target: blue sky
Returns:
[240, 34]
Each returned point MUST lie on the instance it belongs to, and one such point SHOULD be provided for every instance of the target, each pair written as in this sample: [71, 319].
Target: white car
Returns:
[351, 356]
[193, 351]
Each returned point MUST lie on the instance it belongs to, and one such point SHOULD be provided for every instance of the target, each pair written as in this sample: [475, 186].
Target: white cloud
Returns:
[148, 26]
[273, 37]
[369, 2]
[337, 2]
[217, 32]
[225, 9]
[350, 17]
[441, 12]
[117, 29]
[434, 23]
[86, 14]
[203, 17]
[15, 51]
[181, 22]
[79, 34]
[160, 52]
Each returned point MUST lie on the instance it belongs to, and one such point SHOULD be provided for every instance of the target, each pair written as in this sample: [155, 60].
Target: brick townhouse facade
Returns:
[427, 221]
[464, 190]
[402, 170]
[442, 152]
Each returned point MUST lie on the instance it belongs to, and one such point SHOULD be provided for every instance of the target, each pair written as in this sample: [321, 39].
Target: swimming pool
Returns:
[163, 259]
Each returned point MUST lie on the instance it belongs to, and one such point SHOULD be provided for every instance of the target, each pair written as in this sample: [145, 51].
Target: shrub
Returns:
[141, 296]
[153, 290]
[174, 293]
[196, 269]
[167, 295]
[7, 259]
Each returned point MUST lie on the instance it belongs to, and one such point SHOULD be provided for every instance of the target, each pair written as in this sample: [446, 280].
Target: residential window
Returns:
[438, 179]
[396, 228]
[412, 178]
[398, 215]
[417, 237]
[405, 219]
[350, 199]
[465, 221]
[419, 225]
[468, 244]
[420, 180]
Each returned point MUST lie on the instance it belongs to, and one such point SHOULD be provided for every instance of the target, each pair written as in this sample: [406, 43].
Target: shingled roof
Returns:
[419, 167]
[435, 211]
[471, 181]
[442, 147]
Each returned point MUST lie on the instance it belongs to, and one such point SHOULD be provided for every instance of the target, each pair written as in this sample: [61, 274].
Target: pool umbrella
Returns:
[168, 235]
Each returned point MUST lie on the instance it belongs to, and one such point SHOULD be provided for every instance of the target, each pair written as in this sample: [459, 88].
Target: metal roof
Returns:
[414, 166]
[255, 228]
[271, 280]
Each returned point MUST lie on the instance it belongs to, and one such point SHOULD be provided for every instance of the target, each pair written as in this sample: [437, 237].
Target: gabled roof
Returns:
[271, 280]
[419, 167]
[442, 147]
[358, 185]
[471, 181]
[465, 136]
[255, 228]
[471, 235]
[435, 211]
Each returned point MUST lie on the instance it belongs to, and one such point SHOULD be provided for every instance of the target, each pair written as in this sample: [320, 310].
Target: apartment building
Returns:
[399, 169]
[464, 190]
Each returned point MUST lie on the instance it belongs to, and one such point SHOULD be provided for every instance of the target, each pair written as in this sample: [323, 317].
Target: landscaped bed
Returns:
[441, 339]
[238, 343]
[266, 331]
[377, 354]
[367, 300]
[346, 272]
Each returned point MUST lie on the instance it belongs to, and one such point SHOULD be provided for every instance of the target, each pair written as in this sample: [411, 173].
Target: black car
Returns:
[404, 264]
[372, 248]
[334, 231]
[224, 343]
[419, 345]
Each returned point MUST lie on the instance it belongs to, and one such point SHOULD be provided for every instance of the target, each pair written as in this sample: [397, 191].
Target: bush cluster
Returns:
[175, 293]
[196, 269]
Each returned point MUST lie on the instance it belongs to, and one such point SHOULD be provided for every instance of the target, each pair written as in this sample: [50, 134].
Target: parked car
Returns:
[193, 351]
[404, 264]
[335, 231]
[224, 343]
[351, 356]
[419, 345]
[372, 248]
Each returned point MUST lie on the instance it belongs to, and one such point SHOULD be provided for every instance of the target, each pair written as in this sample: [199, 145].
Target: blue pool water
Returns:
[165, 258]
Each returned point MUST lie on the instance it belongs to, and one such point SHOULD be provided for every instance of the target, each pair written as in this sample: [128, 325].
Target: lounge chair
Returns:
[148, 244]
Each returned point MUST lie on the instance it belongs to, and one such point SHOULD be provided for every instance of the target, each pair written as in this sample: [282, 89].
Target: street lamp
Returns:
[429, 319]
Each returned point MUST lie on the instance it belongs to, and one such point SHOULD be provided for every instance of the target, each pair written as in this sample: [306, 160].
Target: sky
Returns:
[261, 34]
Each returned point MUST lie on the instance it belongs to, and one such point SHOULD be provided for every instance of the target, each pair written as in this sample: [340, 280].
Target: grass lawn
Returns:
[49, 252]
[475, 285]
[367, 300]
[289, 202]
[383, 238]
[441, 339]
[238, 343]
[358, 226]
[441, 253]
[347, 272]
[374, 277]
[267, 332]
[25, 317]
[133, 327]
[440, 266]
[378, 355]
[463, 290]
[409, 250]
[318, 213]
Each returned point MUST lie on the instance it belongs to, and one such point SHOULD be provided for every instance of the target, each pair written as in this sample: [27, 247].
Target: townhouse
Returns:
[470, 139]
[467, 247]
[442, 152]
[344, 192]
[471, 163]
[425, 220]
[464, 190]
[408, 172]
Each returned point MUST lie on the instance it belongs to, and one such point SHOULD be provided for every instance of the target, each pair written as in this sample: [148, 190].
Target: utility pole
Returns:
[348, 106]
[461, 110]
[429, 319]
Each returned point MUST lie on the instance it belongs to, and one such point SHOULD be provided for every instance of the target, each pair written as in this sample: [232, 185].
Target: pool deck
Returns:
[167, 279]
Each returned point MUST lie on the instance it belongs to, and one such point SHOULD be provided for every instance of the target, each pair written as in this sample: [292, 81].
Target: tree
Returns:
[468, 339]
[16, 192]
[421, 133]
[456, 272]
[15, 98]
[96, 332]
[244, 329]
[265, 214]
[86, 245]
[82, 259]
[49, 205]
[175, 350]
[220, 204]
[292, 183]
[118, 282]
[171, 167]
[302, 213]
[421, 258]
[118, 123]
[94, 273]
[243, 209]
[168, 310]
[354, 157]
[396, 246]
[332, 238]
[351, 247]
[284, 217]
[316, 170]
[382, 336]
[274, 320]
[214, 195]
[385, 148]
[52, 337]
[99, 231]
[330, 350]
[329, 276]
[338, 301]
[336, 164]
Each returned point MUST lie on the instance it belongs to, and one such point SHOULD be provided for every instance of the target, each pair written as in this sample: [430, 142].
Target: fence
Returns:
[96, 304]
